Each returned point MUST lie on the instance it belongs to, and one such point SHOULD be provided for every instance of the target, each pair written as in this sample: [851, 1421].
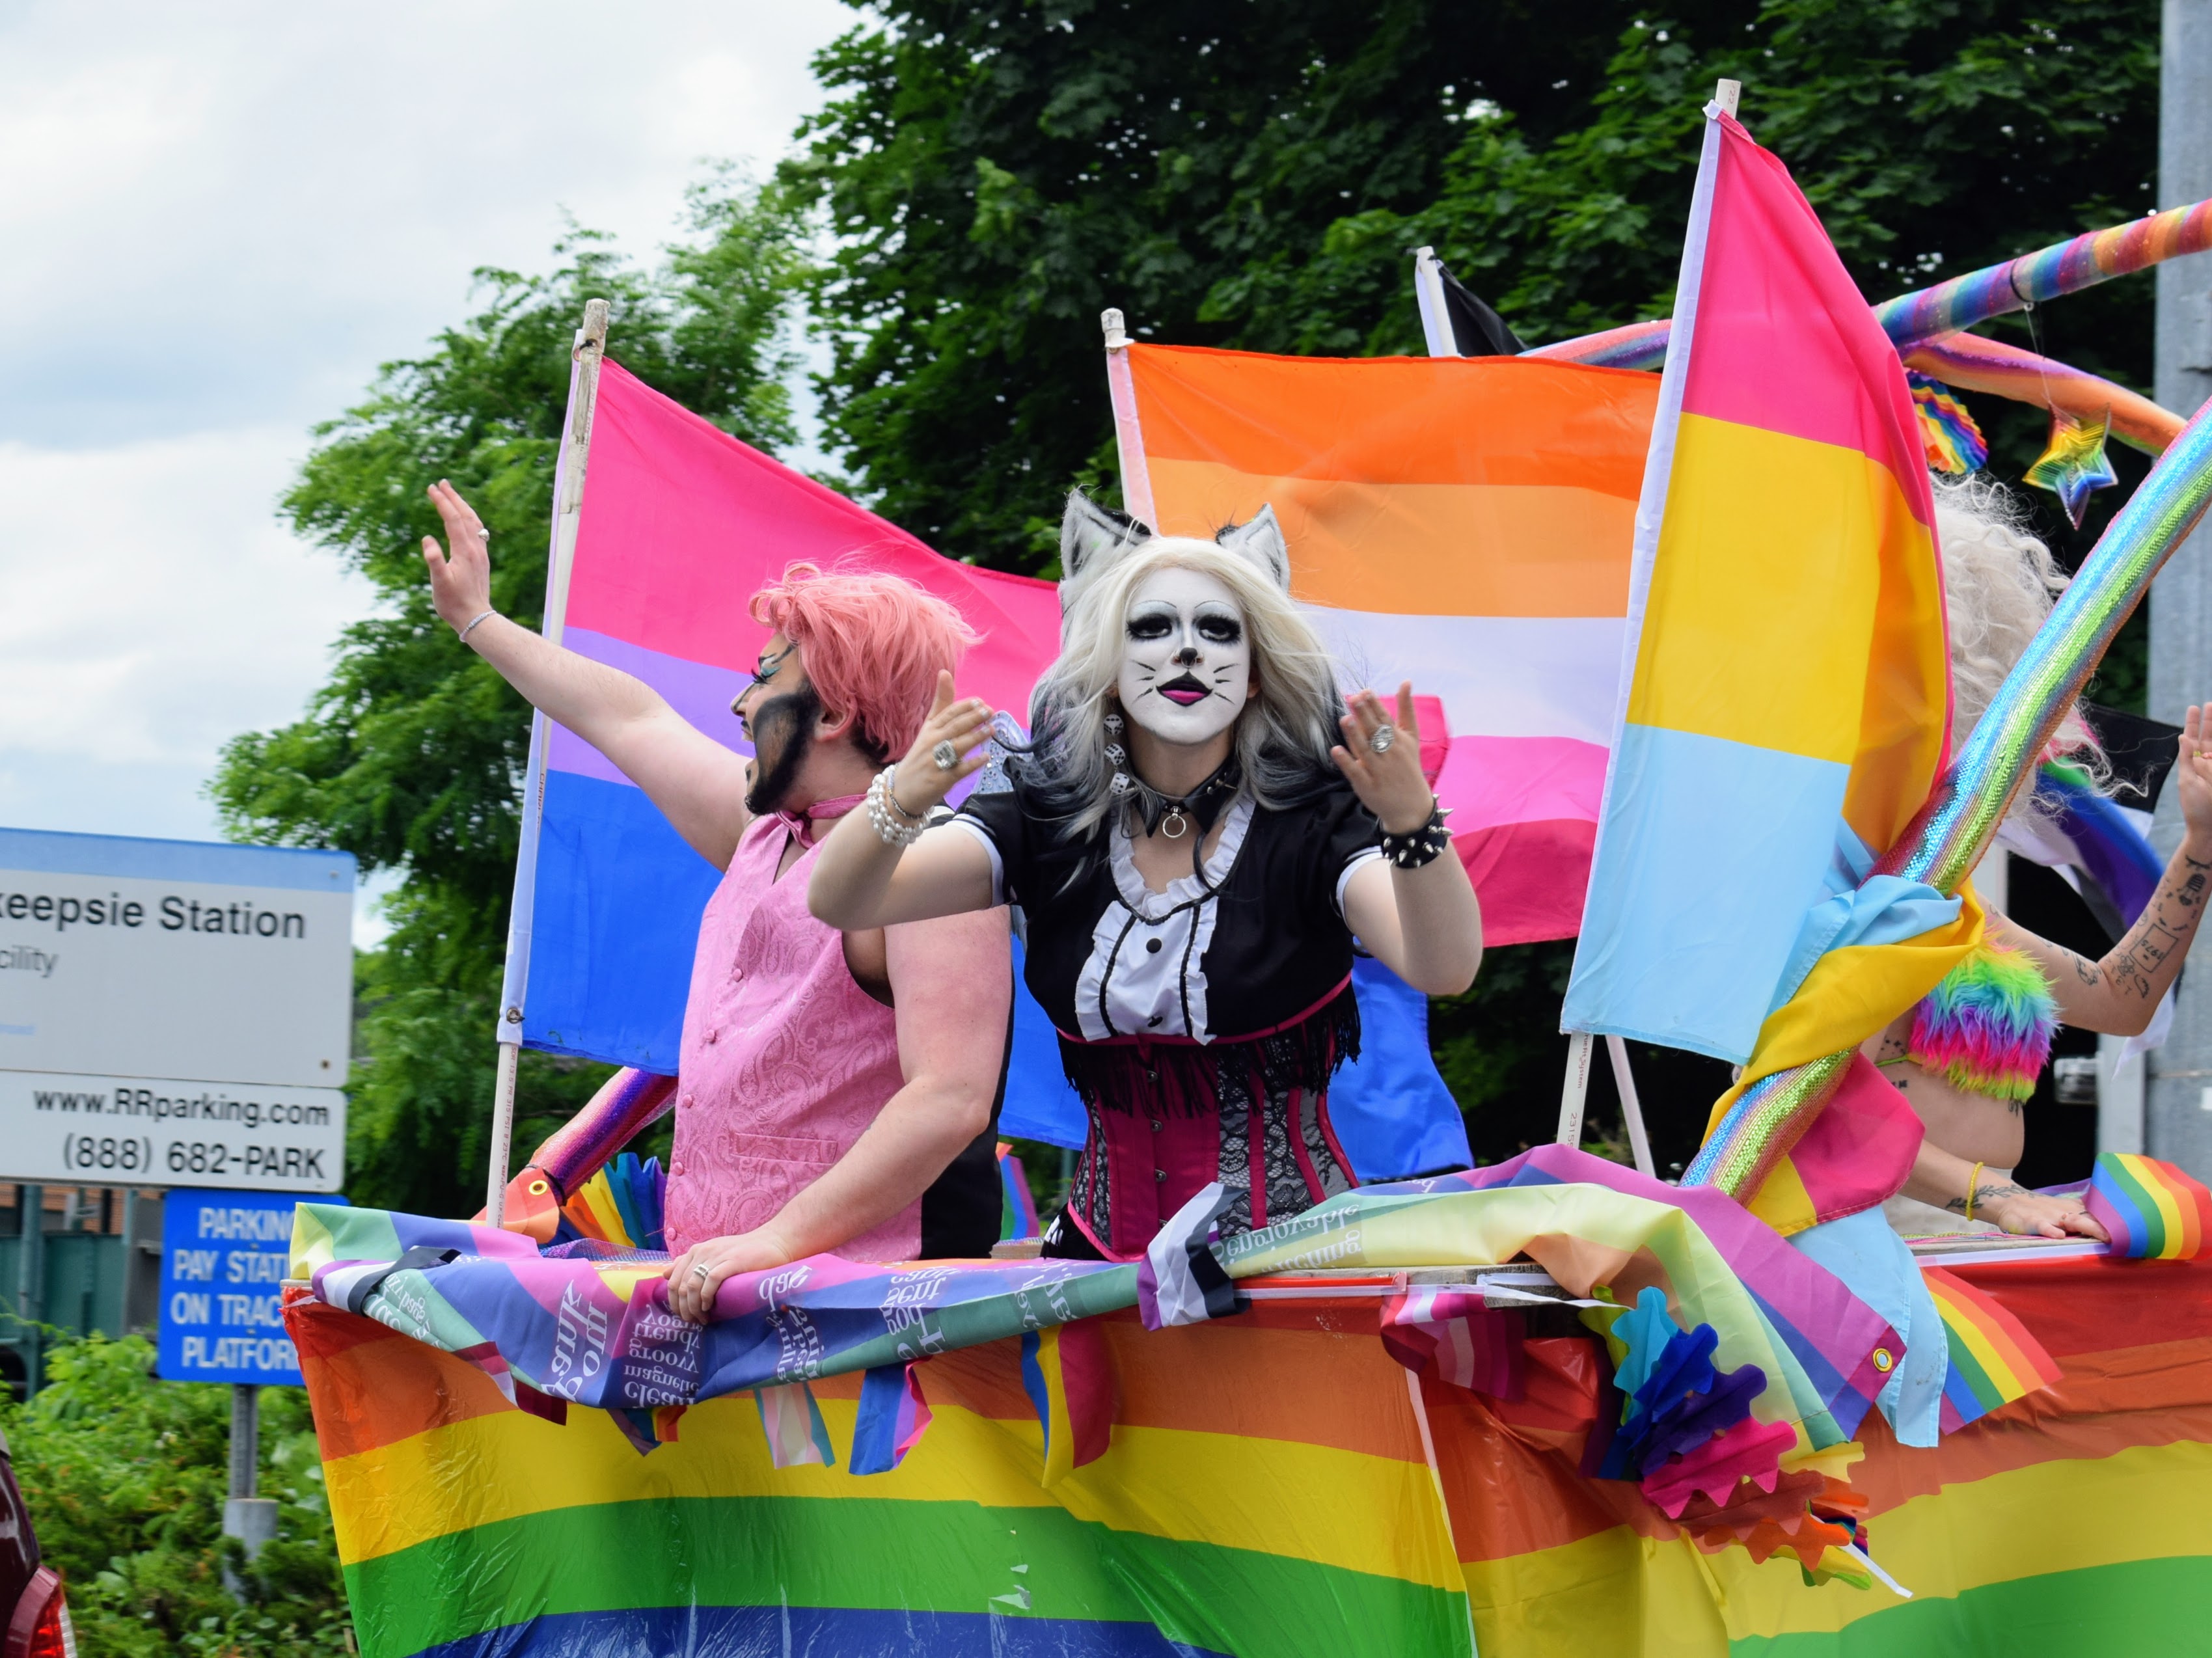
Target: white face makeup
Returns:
[1185, 662]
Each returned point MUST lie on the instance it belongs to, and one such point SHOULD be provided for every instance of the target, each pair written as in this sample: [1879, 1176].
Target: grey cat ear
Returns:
[1259, 538]
[1089, 535]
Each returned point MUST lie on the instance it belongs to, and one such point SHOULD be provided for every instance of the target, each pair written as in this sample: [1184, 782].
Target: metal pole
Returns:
[249, 1518]
[2178, 1108]
[31, 1282]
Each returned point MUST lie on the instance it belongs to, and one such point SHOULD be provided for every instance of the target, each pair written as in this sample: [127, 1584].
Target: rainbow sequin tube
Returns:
[1975, 364]
[2064, 267]
[1947, 838]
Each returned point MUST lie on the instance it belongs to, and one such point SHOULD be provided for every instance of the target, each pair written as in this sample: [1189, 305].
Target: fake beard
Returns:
[1187, 664]
[783, 735]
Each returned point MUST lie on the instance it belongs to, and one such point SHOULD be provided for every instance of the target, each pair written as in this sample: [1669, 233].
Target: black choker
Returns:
[1171, 817]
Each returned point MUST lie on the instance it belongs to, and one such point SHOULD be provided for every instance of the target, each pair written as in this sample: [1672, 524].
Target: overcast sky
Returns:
[219, 220]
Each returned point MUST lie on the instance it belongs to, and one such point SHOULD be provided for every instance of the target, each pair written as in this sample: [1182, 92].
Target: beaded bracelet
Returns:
[882, 804]
[1422, 846]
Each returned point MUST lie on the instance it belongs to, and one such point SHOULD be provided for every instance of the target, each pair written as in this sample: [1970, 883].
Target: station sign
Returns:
[223, 1261]
[173, 1012]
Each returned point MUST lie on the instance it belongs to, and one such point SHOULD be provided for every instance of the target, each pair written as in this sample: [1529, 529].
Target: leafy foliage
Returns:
[411, 755]
[125, 1476]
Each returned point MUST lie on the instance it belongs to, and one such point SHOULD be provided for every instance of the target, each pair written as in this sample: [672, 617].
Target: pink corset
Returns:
[785, 1060]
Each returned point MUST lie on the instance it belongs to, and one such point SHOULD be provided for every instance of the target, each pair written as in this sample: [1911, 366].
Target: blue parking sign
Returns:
[223, 1259]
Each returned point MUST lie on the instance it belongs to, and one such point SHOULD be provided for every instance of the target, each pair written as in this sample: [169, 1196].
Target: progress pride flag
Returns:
[681, 524]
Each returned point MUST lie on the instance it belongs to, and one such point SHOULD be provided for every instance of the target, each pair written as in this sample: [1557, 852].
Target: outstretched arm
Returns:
[952, 983]
[2121, 991]
[862, 881]
[1425, 924]
[699, 785]
[1949, 1181]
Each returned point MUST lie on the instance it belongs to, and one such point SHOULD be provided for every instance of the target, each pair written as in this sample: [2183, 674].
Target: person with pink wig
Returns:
[835, 1088]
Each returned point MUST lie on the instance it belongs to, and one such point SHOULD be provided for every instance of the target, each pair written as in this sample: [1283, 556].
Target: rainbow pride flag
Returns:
[1272, 1484]
[1784, 710]
[681, 524]
[2150, 1208]
[1994, 1360]
[1461, 523]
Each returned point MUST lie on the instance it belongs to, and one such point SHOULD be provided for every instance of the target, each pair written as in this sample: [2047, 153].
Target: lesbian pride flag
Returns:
[1465, 524]
[681, 524]
[1785, 695]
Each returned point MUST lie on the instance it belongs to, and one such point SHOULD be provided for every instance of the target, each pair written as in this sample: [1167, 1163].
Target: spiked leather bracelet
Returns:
[1421, 846]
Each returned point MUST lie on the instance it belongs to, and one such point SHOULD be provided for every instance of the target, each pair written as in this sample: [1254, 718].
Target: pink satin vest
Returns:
[785, 1060]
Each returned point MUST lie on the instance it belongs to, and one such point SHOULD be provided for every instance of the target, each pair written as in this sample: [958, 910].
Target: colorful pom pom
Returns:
[1987, 1028]
[1955, 444]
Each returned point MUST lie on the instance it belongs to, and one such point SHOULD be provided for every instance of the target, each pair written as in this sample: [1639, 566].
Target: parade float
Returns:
[1552, 1405]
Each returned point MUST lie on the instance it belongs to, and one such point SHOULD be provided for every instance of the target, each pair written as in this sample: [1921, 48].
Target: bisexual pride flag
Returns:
[681, 524]
[1785, 693]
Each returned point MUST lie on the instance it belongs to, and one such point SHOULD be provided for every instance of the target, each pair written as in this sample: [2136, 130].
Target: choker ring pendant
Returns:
[1174, 825]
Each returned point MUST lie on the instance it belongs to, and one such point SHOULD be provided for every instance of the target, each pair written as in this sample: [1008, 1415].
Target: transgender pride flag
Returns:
[1461, 523]
[680, 525]
[1785, 706]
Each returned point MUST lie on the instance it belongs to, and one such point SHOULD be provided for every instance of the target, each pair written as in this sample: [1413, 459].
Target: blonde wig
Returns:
[1999, 584]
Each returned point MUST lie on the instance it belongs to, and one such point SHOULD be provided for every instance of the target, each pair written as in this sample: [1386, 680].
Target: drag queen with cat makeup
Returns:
[1198, 834]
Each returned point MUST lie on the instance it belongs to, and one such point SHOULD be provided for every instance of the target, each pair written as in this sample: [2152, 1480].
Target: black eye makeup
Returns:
[1152, 624]
[1220, 628]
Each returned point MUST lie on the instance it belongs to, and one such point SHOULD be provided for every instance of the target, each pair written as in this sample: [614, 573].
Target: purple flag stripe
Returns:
[701, 693]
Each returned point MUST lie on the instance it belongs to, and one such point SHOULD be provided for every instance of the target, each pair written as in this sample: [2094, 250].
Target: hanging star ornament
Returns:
[2073, 464]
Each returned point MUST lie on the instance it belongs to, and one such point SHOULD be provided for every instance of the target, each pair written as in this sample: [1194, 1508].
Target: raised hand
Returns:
[2192, 778]
[1388, 784]
[460, 582]
[922, 782]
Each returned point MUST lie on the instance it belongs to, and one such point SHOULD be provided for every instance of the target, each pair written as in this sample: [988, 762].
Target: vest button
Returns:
[675, 1168]
[689, 1099]
[737, 973]
[1152, 946]
[712, 1037]
[1154, 1020]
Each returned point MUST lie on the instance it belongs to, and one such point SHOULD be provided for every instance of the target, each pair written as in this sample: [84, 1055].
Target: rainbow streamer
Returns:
[1955, 444]
[792, 1419]
[891, 1420]
[1994, 1360]
[1987, 1027]
[2152, 1210]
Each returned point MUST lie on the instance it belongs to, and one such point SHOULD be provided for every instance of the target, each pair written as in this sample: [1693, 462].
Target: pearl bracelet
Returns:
[479, 617]
[882, 804]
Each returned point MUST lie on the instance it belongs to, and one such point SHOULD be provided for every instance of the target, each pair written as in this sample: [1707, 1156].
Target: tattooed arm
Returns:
[2120, 992]
[1940, 1178]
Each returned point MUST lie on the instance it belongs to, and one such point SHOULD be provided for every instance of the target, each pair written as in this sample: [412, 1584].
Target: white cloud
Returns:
[219, 221]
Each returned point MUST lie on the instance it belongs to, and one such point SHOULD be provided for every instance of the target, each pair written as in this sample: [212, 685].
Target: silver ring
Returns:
[1385, 735]
[945, 754]
[698, 1270]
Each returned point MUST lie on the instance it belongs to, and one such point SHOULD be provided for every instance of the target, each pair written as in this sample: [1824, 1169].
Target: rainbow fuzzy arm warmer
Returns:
[1987, 1028]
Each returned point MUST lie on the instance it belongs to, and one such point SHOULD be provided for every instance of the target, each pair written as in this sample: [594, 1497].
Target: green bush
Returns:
[124, 1475]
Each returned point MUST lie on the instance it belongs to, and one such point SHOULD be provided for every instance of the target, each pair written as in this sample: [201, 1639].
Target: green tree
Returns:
[126, 1476]
[411, 755]
[997, 172]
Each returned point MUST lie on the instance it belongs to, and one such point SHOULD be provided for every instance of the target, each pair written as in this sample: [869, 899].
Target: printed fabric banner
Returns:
[1461, 523]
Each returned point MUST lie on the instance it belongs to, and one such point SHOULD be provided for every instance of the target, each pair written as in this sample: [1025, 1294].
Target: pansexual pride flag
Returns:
[1784, 708]
[681, 524]
[1461, 523]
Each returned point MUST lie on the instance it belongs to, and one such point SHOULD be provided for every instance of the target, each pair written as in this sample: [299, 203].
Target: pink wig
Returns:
[871, 646]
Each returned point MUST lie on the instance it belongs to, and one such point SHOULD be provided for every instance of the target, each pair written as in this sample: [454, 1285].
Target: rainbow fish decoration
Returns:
[1994, 1360]
[2152, 1210]
[619, 1205]
[1987, 1027]
[1955, 444]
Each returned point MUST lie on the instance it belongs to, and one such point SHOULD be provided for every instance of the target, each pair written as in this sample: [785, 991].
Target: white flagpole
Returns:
[1429, 295]
[590, 346]
[1631, 1109]
[1128, 431]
